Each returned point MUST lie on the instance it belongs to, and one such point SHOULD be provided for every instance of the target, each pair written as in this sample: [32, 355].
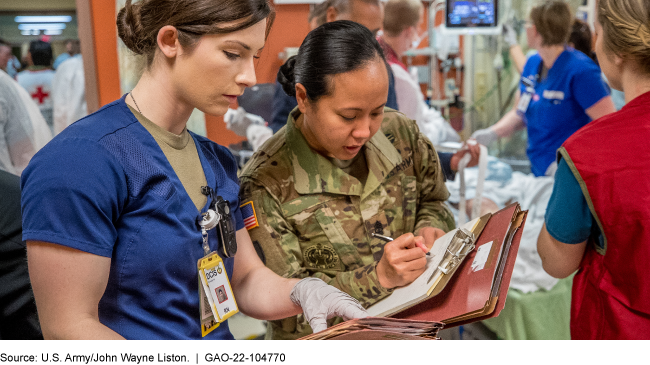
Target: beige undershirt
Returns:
[355, 167]
[181, 153]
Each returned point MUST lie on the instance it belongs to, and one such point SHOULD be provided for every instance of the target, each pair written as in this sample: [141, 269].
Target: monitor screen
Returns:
[471, 13]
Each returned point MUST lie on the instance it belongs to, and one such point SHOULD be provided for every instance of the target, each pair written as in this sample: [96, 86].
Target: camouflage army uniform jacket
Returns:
[315, 220]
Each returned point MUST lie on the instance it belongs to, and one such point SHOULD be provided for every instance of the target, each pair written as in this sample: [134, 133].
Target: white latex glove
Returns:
[257, 135]
[485, 136]
[320, 302]
[238, 120]
[552, 168]
[509, 35]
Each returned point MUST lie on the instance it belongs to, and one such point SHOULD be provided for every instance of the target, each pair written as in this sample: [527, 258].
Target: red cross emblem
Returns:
[40, 95]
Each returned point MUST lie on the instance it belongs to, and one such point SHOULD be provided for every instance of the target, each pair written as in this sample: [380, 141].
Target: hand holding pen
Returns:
[403, 260]
[417, 243]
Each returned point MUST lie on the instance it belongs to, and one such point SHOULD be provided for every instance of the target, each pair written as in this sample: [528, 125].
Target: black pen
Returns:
[388, 239]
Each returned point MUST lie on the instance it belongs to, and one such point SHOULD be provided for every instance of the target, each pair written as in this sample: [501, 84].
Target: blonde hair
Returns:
[626, 29]
[401, 14]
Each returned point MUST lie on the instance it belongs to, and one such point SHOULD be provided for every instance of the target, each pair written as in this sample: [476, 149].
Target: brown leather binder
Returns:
[474, 294]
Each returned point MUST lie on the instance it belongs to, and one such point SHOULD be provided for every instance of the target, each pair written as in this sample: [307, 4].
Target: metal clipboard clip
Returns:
[461, 244]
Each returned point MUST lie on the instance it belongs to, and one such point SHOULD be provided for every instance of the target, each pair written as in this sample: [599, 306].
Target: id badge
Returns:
[208, 321]
[216, 290]
[524, 101]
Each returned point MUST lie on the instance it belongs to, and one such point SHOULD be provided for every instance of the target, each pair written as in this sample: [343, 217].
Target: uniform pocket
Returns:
[391, 211]
[324, 243]
[337, 237]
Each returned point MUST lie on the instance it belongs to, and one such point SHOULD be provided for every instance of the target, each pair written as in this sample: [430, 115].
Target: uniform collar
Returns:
[314, 174]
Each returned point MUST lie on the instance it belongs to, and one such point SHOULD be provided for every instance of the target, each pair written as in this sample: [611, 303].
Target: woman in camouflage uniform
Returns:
[343, 167]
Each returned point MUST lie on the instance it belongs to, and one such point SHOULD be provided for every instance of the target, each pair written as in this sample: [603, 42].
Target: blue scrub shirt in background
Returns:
[557, 110]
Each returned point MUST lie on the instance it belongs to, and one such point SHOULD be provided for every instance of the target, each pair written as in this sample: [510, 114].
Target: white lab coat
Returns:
[38, 85]
[69, 93]
[410, 101]
[23, 131]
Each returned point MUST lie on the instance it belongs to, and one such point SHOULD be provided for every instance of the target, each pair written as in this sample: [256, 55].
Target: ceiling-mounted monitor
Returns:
[472, 17]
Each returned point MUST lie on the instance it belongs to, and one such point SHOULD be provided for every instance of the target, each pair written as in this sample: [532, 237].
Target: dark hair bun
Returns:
[331, 49]
[130, 29]
[286, 76]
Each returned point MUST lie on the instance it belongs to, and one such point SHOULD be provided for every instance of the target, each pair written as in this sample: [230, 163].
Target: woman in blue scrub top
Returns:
[560, 92]
[111, 208]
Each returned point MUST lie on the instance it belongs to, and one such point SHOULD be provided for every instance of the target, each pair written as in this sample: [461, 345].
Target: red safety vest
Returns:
[611, 291]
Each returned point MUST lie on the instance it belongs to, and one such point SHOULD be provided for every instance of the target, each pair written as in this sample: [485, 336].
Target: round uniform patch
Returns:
[321, 257]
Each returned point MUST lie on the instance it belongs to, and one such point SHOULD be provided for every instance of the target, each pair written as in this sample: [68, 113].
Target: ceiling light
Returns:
[30, 32]
[53, 32]
[43, 26]
[43, 19]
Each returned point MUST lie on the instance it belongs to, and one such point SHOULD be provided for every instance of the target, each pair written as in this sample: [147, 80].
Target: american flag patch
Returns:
[248, 213]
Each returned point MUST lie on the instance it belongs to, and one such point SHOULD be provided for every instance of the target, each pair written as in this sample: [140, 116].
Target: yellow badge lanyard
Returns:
[216, 300]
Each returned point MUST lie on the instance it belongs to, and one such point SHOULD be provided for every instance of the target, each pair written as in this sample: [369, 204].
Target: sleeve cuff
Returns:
[560, 238]
[363, 284]
[57, 239]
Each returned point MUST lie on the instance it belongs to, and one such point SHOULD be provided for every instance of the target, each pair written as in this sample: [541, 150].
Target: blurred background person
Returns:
[5, 54]
[37, 78]
[69, 93]
[368, 13]
[598, 217]
[18, 318]
[13, 66]
[581, 39]
[318, 14]
[8, 62]
[402, 19]
[561, 90]
[23, 131]
[72, 48]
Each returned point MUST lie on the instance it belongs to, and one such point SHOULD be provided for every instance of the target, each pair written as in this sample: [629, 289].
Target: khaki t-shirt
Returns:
[182, 155]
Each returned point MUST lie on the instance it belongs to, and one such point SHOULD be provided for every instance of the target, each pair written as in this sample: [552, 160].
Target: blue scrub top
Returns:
[105, 187]
[557, 110]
